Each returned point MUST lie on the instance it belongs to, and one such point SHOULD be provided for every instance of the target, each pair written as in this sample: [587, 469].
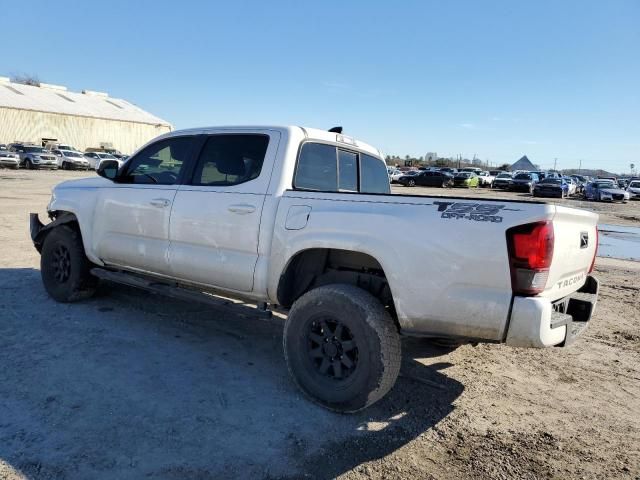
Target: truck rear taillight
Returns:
[530, 249]
[595, 252]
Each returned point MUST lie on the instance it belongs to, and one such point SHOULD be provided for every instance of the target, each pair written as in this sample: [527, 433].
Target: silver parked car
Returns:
[94, 158]
[8, 159]
[605, 191]
[70, 160]
[634, 189]
[34, 156]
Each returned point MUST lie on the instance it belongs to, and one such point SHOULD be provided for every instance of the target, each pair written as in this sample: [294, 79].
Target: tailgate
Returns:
[574, 247]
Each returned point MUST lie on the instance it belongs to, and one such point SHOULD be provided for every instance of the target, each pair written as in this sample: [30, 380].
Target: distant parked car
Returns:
[34, 156]
[572, 184]
[551, 187]
[450, 170]
[94, 158]
[634, 189]
[8, 159]
[70, 160]
[427, 179]
[486, 179]
[395, 175]
[581, 181]
[50, 146]
[466, 179]
[605, 191]
[524, 182]
[503, 180]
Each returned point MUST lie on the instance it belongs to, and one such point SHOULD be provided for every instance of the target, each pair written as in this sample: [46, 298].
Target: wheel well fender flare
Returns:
[39, 231]
[303, 267]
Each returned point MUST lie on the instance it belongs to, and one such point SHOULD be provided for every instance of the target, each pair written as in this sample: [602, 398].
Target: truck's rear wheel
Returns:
[64, 266]
[342, 347]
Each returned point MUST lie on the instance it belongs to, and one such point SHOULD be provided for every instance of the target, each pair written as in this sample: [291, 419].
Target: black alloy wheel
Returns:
[332, 348]
[61, 263]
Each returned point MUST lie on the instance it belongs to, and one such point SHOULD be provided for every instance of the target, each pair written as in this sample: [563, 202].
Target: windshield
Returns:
[606, 184]
[504, 175]
[555, 181]
[68, 153]
[33, 149]
[523, 176]
[464, 175]
[634, 184]
[106, 155]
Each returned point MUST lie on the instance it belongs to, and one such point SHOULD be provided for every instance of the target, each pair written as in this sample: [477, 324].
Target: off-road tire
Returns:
[377, 350]
[67, 279]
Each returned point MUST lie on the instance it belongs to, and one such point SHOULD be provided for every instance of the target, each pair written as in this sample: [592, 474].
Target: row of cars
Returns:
[598, 189]
[537, 183]
[53, 156]
[443, 177]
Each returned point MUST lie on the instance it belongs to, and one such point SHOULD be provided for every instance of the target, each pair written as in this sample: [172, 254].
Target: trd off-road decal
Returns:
[480, 212]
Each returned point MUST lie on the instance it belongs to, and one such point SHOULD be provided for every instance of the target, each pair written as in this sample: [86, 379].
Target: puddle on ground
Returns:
[619, 241]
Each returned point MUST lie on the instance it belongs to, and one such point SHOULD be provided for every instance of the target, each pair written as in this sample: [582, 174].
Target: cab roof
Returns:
[309, 133]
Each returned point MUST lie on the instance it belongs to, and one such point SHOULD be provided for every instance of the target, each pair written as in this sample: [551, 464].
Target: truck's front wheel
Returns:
[342, 347]
[64, 266]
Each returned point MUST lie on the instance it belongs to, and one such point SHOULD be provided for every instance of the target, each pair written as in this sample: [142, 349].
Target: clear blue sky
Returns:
[494, 78]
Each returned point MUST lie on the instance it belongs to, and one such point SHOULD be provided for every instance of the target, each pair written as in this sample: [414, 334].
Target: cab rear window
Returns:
[327, 168]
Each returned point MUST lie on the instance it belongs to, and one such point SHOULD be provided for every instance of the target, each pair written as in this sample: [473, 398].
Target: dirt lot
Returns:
[130, 385]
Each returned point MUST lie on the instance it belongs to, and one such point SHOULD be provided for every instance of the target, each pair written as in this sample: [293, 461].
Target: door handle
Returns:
[160, 202]
[242, 209]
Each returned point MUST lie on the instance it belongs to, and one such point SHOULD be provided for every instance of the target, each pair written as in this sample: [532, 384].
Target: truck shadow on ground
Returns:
[130, 384]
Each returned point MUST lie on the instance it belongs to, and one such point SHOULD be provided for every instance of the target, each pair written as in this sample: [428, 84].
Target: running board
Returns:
[181, 293]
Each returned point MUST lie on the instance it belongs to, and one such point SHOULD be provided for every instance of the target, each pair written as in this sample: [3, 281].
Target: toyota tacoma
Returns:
[304, 219]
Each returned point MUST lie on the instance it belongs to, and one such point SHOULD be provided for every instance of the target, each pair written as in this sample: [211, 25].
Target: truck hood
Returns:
[90, 182]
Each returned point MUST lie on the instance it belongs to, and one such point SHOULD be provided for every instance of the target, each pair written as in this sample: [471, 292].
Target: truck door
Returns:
[131, 221]
[215, 221]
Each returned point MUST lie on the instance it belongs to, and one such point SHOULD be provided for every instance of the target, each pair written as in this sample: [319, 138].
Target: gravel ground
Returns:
[131, 385]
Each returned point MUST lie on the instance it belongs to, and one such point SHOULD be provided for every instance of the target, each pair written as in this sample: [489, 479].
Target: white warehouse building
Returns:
[51, 113]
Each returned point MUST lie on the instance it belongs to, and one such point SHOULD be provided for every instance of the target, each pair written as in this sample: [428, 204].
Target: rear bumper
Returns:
[537, 322]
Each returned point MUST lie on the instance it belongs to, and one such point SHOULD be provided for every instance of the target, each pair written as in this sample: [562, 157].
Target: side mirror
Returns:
[108, 169]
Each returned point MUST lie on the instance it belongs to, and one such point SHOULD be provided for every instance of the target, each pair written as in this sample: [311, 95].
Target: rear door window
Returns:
[317, 168]
[327, 168]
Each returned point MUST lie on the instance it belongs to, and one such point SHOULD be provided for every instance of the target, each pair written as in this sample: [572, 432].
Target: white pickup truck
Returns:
[304, 219]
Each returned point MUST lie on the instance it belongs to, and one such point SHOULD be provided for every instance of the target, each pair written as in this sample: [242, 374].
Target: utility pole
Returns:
[555, 163]
[580, 168]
